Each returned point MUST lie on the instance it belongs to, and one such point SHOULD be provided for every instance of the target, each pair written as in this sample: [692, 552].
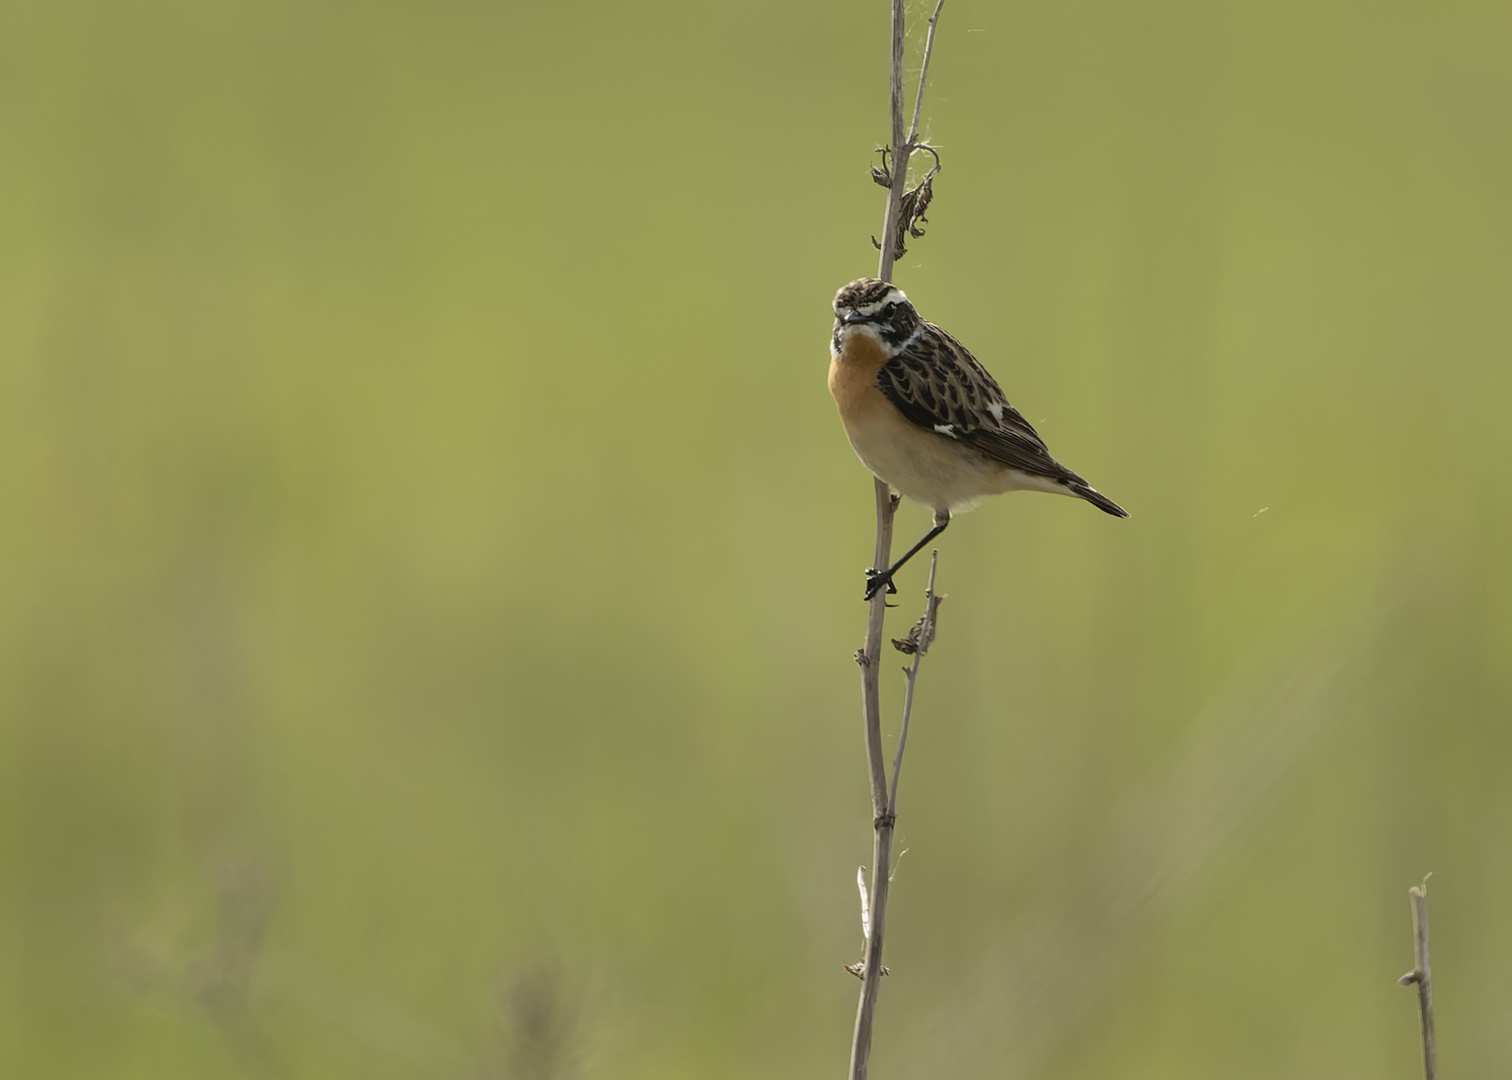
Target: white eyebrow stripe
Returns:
[894, 295]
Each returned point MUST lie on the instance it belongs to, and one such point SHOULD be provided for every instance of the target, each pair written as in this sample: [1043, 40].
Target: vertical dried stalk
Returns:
[902, 146]
[870, 659]
[899, 154]
[1422, 975]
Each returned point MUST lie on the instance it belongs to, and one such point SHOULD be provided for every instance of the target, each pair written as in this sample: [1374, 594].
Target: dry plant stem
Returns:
[926, 634]
[871, 698]
[899, 157]
[903, 144]
[871, 973]
[1422, 975]
[913, 128]
[873, 914]
[871, 655]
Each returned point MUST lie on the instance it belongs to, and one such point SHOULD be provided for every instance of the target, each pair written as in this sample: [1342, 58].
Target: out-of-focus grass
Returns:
[429, 562]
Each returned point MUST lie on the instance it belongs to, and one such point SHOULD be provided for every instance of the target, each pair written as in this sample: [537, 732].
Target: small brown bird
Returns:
[925, 417]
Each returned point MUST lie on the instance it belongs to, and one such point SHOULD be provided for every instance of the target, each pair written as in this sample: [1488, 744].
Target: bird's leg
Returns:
[876, 579]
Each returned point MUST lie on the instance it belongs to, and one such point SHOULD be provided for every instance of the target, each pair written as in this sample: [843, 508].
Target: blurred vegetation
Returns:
[430, 563]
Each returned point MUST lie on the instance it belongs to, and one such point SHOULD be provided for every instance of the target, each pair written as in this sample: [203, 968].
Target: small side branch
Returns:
[1422, 975]
[913, 129]
[916, 643]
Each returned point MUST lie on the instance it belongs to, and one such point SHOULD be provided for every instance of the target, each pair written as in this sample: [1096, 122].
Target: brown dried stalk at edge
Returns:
[1422, 975]
[869, 658]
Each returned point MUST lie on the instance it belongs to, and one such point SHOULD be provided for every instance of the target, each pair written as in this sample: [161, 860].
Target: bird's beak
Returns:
[852, 318]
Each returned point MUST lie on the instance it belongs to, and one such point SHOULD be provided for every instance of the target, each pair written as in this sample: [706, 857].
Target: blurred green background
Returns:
[430, 562]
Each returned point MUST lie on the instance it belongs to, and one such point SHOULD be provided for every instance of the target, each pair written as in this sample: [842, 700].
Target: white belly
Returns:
[931, 469]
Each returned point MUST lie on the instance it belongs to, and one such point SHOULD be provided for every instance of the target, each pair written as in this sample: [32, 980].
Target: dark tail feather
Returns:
[1098, 499]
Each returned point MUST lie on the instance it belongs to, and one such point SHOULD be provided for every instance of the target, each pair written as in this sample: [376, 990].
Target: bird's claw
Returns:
[875, 579]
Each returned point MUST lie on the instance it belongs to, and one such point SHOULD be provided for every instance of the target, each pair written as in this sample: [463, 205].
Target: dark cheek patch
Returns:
[900, 326]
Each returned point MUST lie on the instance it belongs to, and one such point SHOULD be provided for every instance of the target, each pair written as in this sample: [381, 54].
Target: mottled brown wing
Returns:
[936, 383]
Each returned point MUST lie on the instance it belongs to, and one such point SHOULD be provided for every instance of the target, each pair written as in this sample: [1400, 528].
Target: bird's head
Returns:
[875, 308]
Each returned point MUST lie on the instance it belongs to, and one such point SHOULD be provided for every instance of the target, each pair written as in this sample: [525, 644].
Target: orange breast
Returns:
[853, 378]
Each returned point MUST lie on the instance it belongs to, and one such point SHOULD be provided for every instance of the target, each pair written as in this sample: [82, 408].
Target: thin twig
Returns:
[918, 643]
[913, 130]
[1422, 975]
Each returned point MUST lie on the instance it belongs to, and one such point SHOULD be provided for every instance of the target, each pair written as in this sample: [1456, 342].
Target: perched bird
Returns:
[925, 417]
